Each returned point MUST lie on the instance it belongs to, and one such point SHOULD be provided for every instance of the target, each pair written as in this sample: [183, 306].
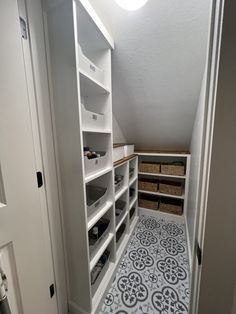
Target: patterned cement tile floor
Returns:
[153, 275]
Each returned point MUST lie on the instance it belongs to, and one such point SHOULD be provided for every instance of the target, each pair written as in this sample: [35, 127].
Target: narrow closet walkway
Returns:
[153, 275]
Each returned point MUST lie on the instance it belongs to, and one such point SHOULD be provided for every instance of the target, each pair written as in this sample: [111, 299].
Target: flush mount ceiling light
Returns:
[131, 5]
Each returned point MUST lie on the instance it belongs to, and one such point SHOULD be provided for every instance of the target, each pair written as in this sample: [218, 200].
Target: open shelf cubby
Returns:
[99, 145]
[99, 195]
[80, 50]
[100, 235]
[121, 179]
[121, 207]
[163, 181]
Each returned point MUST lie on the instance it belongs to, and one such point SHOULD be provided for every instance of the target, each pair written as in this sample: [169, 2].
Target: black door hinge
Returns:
[52, 290]
[199, 255]
[23, 28]
[39, 178]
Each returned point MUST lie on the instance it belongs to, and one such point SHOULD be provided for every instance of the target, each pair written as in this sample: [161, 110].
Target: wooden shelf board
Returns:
[90, 86]
[100, 250]
[123, 160]
[161, 175]
[93, 219]
[121, 192]
[121, 221]
[96, 175]
[162, 194]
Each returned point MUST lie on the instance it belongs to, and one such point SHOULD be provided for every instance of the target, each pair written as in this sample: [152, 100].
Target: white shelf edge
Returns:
[134, 221]
[133, 180]
[96, 175]
[102, 211]
[155, 213]
[97, 21]
[162, 154]
[122, 245]
[132, 203]
[96, 131]
[121, 192]
[94, 81]
[99, 252]
[121, 221]
[161, 175]
[162, 194]
[103, 285]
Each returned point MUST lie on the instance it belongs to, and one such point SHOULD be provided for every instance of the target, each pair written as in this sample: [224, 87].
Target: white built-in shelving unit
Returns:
[158, 157]
[79, 58]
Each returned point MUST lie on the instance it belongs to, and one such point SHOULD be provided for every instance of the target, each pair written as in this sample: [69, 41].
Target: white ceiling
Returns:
[158, 64]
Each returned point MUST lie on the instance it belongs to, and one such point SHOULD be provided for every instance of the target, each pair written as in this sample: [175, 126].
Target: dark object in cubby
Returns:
[131, 213]
[120, 232]
[97, 232]
[119, 180]
[99, 266]
[120, 210]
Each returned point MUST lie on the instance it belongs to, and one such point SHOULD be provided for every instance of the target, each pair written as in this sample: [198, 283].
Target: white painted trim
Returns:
[162, 175]
[182, 197]
[162, 154]
[47, 144]
[188, 247]
[24, 10]
[211, 89]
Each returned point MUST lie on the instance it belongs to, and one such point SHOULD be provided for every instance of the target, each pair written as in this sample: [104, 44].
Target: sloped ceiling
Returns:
[158, 65]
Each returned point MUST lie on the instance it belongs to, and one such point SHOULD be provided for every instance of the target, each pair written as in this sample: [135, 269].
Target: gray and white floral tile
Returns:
[153, 275]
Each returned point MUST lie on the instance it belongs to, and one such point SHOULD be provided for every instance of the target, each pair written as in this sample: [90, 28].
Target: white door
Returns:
[24, 254]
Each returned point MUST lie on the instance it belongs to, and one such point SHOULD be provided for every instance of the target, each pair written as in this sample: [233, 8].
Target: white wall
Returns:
[118, 136]
[158, 65]
[219, 254]
[196, 155]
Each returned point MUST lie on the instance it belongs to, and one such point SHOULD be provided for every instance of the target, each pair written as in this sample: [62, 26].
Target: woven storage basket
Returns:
[171, 187]
[175, 168]
[148, 201]
[171, 206]
[148, 185]
[150, 167]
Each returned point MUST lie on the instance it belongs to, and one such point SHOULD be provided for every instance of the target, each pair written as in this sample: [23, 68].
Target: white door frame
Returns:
[37, 79]
[212, 67]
